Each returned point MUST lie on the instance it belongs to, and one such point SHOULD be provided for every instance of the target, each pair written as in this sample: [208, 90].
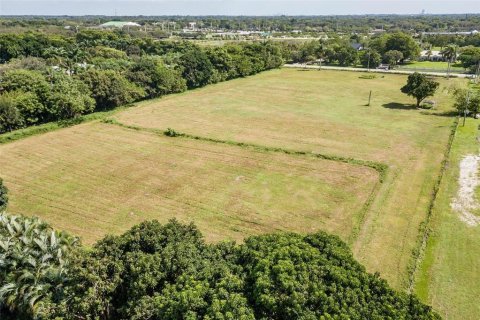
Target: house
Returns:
[431, 55]
[357, 46]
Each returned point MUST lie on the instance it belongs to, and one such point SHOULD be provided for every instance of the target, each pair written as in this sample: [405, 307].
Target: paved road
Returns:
[436, 74]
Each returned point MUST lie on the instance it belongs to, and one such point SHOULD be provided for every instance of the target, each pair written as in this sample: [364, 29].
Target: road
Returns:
[436, 74]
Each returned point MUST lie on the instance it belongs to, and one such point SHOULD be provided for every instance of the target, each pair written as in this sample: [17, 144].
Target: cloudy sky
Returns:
[232, 7]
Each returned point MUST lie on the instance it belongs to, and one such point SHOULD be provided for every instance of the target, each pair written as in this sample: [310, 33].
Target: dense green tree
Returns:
[68, 98]
[155, 77]
[167, 271]
[10, 116]
[398, 41]
[392, 57]
[470, 58]
[404, 43]
[196, 68]
[26, 81]
[29, 106]
[110, 89]
[420, 87]
[346, 56]
[370, 58]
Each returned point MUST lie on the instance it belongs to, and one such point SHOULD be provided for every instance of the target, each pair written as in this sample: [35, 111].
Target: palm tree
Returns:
[450, 54]
[429, 54]
[33, 263]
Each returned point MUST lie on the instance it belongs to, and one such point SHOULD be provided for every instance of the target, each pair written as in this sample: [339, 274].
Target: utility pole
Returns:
[369, 98]
[368, 69]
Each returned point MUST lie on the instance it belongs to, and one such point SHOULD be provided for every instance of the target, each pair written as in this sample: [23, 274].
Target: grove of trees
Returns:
[51, 77]
[156, 271]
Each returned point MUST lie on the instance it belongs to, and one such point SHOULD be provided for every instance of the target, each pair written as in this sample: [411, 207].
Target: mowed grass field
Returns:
[97, 178]
[449, 277]
[326, 112]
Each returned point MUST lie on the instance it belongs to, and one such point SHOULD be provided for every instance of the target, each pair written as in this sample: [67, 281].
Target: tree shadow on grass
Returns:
[399, 106]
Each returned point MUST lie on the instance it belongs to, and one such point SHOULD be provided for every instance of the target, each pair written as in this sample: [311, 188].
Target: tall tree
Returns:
[419, 87]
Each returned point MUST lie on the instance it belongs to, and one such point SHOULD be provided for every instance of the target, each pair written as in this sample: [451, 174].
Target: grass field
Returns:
[96, 178]
[231, 191]
[325, 111]
[449, 276]
[431, 65]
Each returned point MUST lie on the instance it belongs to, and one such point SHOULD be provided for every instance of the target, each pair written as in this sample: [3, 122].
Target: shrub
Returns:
[3, 196]
[171, 133]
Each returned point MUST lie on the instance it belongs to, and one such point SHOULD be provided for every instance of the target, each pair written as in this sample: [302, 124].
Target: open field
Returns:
[449, 277]
[230, 191]
[325, 112]
[96, 178]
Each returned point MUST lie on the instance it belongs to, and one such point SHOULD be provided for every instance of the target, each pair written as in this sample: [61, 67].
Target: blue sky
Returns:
[232, 7]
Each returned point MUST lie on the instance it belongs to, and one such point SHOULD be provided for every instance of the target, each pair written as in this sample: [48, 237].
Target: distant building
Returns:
[431, 55]
[459, 33]
[357, 46]
[119, 25]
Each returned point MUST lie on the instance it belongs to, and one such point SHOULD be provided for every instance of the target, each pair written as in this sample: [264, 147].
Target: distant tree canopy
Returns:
[420, 87]
[470, 58]
[57, 77]
[398, 41]
[157, 271]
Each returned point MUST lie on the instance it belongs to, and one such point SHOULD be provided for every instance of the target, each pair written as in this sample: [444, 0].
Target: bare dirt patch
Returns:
[465, 202]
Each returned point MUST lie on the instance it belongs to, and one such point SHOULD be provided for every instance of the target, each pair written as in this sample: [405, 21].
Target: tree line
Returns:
[346, 23]
[390, 48]
[168, 271]
[48, 78]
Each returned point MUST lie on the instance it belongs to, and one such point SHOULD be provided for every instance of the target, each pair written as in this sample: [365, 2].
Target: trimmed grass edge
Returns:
[424, 229]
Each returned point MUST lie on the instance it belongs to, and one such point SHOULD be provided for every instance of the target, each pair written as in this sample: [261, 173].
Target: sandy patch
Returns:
[465, 203]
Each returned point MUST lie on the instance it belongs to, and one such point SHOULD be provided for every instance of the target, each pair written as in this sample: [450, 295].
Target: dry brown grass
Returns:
[95, 178]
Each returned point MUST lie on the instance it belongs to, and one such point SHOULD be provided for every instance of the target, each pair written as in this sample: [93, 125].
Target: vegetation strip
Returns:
[424, 230]
[52, 126]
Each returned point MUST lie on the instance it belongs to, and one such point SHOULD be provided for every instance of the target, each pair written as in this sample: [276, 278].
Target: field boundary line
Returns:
[424, 229]
[381, 168]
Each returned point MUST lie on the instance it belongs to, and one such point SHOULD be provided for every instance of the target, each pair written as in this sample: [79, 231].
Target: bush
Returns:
[171, 133]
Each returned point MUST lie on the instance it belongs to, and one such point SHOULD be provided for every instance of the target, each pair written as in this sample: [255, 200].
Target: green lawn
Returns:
[431, 65]
[449, 277]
